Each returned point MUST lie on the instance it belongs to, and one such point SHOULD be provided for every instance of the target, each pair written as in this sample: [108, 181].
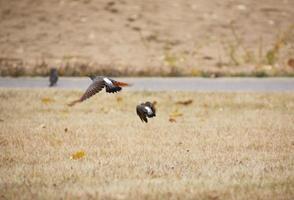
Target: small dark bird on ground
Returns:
[53, 78]
[99, 82]
[145, 110]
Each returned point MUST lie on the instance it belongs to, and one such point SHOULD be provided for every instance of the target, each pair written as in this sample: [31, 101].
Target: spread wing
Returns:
[141, 113]
[93, 89]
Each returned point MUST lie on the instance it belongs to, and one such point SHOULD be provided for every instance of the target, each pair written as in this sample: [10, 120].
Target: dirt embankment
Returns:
[166, 37]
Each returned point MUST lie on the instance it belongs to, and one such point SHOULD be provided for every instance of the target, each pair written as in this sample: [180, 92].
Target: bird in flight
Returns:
[53, 78]
[99, 82]
[145, 110]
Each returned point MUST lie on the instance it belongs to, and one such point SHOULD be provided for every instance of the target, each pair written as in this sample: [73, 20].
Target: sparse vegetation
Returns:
[135, 38]
[199, 146]
[239, 54]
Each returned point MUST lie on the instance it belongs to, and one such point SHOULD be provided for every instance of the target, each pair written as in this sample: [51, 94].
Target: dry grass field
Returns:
[220, 146]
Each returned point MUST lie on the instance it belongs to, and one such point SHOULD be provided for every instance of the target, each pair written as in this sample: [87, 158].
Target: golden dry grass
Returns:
[224, 146]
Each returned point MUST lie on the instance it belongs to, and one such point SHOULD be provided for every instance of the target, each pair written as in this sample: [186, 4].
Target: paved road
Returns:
[163, 84]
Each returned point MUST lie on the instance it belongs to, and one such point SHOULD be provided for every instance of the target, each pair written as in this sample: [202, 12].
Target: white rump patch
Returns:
[149, 111]
[107, 81]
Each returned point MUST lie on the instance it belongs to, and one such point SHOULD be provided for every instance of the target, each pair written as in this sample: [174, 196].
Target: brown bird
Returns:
[99, 82]
[145, 110]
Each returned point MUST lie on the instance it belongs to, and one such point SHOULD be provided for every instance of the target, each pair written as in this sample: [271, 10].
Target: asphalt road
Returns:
[163, 84]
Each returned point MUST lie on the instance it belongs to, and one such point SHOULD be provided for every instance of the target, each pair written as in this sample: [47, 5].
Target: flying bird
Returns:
[145, 110]
[53, 78]
[98, 83]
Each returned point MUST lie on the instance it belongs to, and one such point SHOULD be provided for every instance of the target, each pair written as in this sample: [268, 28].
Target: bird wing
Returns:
[141, 113]
[96, 86]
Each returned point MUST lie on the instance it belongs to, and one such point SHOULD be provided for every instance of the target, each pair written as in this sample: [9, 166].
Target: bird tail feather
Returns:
[121, 84]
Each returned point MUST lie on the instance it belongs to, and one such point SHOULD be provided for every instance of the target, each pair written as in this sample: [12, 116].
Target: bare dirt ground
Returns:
[199, 146]
[154, 37]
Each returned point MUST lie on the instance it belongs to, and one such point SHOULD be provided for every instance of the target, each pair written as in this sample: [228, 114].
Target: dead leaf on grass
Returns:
[172, 120]
[185, 103]
[175, 114]
[78, 155]
[47, 100]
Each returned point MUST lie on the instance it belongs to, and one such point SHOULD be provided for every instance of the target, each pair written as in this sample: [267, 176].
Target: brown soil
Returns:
[154, 37]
